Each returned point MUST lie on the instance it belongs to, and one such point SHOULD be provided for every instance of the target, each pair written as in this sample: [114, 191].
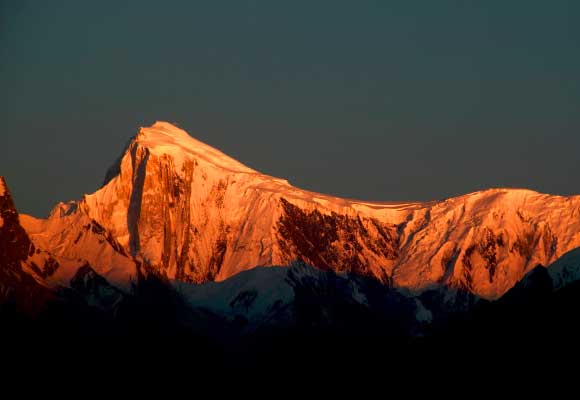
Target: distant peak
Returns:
[166, 138]
[166, 128]
[163, 125]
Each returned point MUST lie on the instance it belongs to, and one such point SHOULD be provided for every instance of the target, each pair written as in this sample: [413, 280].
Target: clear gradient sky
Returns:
[379, 100]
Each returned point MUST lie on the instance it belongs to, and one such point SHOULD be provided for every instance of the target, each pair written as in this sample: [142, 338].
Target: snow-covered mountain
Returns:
[184, 249]
[299, 296]
[188, 212]
[76, 240]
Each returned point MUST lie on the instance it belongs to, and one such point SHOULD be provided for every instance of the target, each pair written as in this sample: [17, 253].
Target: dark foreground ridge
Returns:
[331, 333]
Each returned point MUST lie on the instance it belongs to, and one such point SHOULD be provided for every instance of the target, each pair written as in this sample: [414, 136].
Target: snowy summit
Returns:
[165, 138]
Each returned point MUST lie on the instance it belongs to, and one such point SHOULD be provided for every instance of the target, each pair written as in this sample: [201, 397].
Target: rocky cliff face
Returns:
[191, 213]
[22, 266]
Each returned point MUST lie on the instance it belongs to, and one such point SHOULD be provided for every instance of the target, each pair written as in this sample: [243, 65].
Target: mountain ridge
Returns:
[177, 250]
[191, 213]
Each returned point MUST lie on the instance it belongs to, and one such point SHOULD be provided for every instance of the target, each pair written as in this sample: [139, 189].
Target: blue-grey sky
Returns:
[380, 100]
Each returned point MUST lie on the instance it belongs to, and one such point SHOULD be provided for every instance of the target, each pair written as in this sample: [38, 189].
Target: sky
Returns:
[375, 100]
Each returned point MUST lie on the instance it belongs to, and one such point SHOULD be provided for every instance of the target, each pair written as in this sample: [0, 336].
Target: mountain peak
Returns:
[165, 125]
[166, 138]
[163, 128]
